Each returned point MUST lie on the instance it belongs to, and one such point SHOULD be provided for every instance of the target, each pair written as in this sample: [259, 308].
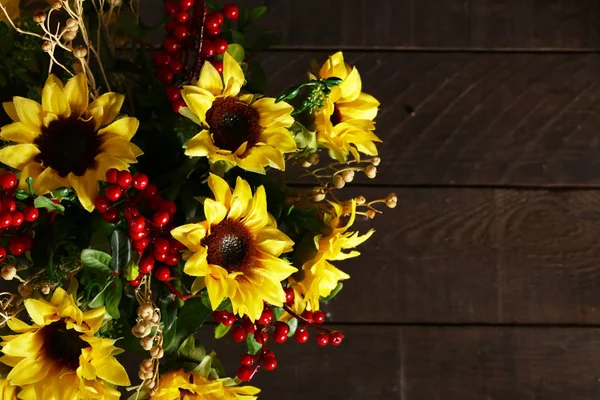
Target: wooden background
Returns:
[484, 283]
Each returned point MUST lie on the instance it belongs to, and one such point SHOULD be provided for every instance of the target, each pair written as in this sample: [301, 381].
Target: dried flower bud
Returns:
[45, 288]
[39, 17]
[80, 52]
[155, 318]
[145, 311]
[57, 5]
[74, 28]
[371, 171]
[360, 200]
[306, 164]
[371, 214]
[147, 343]
[141, 329]
[150, 384]
[391, 200]
[148, 364]
[47, 46]
[338, 182]
[115, 3]
[317, 197]
[71, 22]
[25, 290]
[348, 175]
[69, 36]
[375, 161]
[314, 159]
[142, 374]
[9, 272]
[157, 352]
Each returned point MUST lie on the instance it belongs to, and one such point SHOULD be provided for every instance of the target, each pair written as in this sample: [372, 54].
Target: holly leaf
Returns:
[253, 346]
[236, 51]
[293, 324]
[257, 13]
[192, 316]
[120, 247]
[305, 139]
[113, 298]
[44, 202]
[190, 351]
[96, 261]
[221, 330]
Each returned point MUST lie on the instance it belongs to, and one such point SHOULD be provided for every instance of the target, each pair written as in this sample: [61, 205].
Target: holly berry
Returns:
[137, 224]
[2, 254]
[8, 180]
[238, 334]
[261, 337]
[177, 105]
[111, 215]
[17, 246]
[168, 206]
[270, 363]
[136, 282]
[140, 181]
[161, 59]
[231, 11]
[220, 45]
[301, 335]
[322, 339]
[181, 32]
[124, 179]
[165, 76]
[111, 175]
[113, 193]
[212, 22]
[266, 317]
[336, 338]
[183, 17]
[155, 202]
[130, 212]
[218, 16]
[162, 245]
[280, 338]
[245, 374]
[158, 256]
[172, 259]
[150, 191]
[5, 219]
[289, 296]
[176, 66]
[171, 45]
[146, 265]
[208, 49]
[17, 218]
[177, 245]
[230, 320]
[170, 26]
[281, 328]
[318, 317]
[308, 315]
[247, 360]
[248, 325]
[141, 244]
[220, 315]
[171, 8]
[218, 66]
[31, 213]
[162, 274]
[9, 205]
[186, 4]
[102, 204]
[161, 218]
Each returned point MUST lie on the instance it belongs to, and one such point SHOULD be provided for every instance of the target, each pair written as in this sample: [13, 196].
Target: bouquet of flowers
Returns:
[142, 199]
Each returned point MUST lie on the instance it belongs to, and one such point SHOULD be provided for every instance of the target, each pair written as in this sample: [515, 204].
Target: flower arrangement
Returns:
[142, 199]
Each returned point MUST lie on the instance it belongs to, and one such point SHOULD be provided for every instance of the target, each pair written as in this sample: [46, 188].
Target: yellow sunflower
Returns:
[237, 129]
[235, 252]
[66, 142]
[177, 385]
[58, 357]
[320, 276]
[345, 124]
[8, 391]
[12, 8]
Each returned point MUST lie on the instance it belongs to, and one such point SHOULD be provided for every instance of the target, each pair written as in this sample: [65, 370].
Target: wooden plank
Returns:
[481, 119]
[500, 364]
[450, 24]
[476, 256]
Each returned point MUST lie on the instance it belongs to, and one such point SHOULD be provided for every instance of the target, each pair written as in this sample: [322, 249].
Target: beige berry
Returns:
[391, 200]
[371, 171]
[142, 329]
[348, 175]
[314, 159]
[145, 311]
[148, 364]
[317, 197]
[338, 182]
[306, 164]
[80, 52]
[150, 384]
[71, 23]
[9, 272]
[57, 5]
[360, 200]
[39, 17]
[157, 352]
[69, 36]
[375, 161]
[47, 46]
[155, 318]
[147, 343]
[371, 214]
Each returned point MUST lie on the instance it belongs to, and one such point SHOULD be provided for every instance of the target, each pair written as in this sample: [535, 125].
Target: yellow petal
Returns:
[197, 264]
[257, 215]
[274, 115]
[363, 107]
[94, 318]
[199, 101]
[262, 156]
[185, 233]
[210, 79]
[201, 145]
[28, 371]
[19, 132]
[124, 128]
[11, 111]
[233, 76]
[334, 66]
[19, 155]
[86, 187]
[53, 98]
[41, 312]
[275, 267]
[16, 325]
[280, 138]
[48, 181]
[32, 170]
[214, 212]
[105, 162]
[119, 148]
[198, 285]
[351, 86]
[30, 112]
[220, 189]
[273, 241]
[76, 92]
[240, 200]
[214, 286]
[111, 371]
[106, 108]
[27, 344]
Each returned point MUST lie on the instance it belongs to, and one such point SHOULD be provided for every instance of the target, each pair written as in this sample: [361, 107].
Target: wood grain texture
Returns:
[450, 24]
[481, 119]
[500, 364]
[476, 256]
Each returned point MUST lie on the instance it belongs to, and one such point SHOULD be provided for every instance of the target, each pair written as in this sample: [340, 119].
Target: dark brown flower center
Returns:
[232, 123]
[68, 145]
[230, 245]
[336, 117]
[63, 345]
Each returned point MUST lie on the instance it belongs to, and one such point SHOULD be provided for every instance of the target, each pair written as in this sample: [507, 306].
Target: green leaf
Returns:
[235, 37]
[96, 261]
[237, 52]
[44, 202]
[253, 345]
[120, 247]
[3, 28]
[113, 298]
[277, 313]
[98, 300]
[21, 194]
[333, 293]
[170, 333]
[203, 369]
[293, 324]
[257, 13]
[190, 351]
[192, 316]
[62, 192]
[131, 271]
[305, 139]
[221, 330]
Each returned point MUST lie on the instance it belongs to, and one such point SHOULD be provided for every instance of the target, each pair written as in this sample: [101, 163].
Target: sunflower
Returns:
[235, 252]
[320, 276]
[238, 129]
[186, 386]
[345, 124]
[7, 391]
[58, 357]
[66, 142]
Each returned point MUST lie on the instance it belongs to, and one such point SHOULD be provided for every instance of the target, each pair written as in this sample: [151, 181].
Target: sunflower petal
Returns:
[279, 138]
[53, 98]
[30, 112]
[220, 189]
[119, 148]
[76, 92]
[28, 371]
[86, 187]
[197, 265]
[233, 76]
[48, 181]
[199, 101]
[214, 285]
[257, 214]
[19, 132]
[272, 114]
[111, 371]
[240, 200]
[11, 111]
[363, 107]
[334, 66]
[106, 108]
[105, 162]
[94, 318]
[185, 233]
[351, 86]
[201, 145]
[24, 345]
[19, 155]
[214, 212]
[210, 79]
[124, 128]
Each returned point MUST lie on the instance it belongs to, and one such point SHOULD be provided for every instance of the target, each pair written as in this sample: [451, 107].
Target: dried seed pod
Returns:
[348, 175]
[25, 290]
[157, 352]
[148, 364]
[147, 343]
[314, 158]
[391, 200]
[371, 171]
[141, 329]
[375, 161]
[317, 197]
[69, 36]
[306, 164]
[40, 16]
[47, 46]
[360, 200]
[9, 272]
[150, 384]
[71, 23]
[57, 5]
[145, 311]
[338, 182]
[155, 319]
[371, 214]
[80, 52]
[45, 288]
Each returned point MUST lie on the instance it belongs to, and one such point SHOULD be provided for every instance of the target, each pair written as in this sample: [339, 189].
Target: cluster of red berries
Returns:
[149, 220]
[184, 38]
[14, 218]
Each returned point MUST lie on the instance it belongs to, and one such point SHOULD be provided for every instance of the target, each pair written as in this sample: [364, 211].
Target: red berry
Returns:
[141, 244]
[2, 254]
[136, 282]
[266, 317]
[248, 325]
[162, 274]
[137, 224]
[231, 11]
[140, 181]
[279, 338]
[322, 339]
[318, 317]
[261, 337]
[307, 315]
[220, 315]
[176, 67]
[161, 257]
[111, 175]
[183, 17]
[208, 50]
[336, 338]
[162, 245]
[289, 296]
[268, 353]
[150, 191]
[281, 328]
[218, 66]
[5, 219]
[238, 334]
[220, 45]
[181, 32]
[186, 4]
[9, 205]
[245, 373]
[101, 202]
[170, 26]
[172, 259]
[247, 360]
[171, 45]
[8, 180]
[113, 193]
[17, 218]
[218, 16]
[161, 59]
[177, 245]
[171, 8]
[230, 320]
[155, 202]
[124, 179]
[130, 212]
[165, 76]
[169, 207]
[31, 213]
[137, 235]
[212, 22]
[146, 265]
[270, 363]
[111, 215]
[212, 32]
[16, 246]
[301, 335]
[177, 105]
